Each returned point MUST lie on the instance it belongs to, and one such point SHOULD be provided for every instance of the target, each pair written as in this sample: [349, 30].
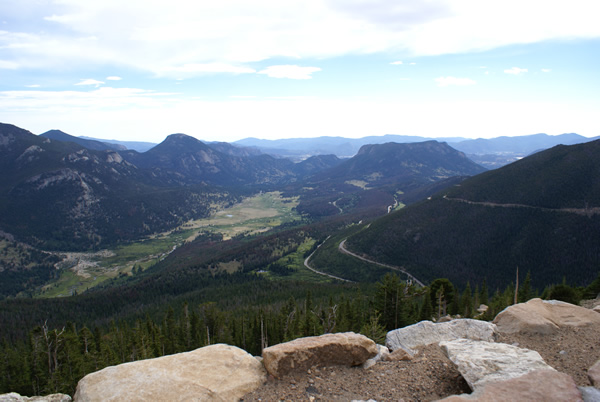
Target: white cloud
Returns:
[8, 65]
[454, 81]
[546, 70]
[290, 71]
[90, 81]
[162, 36]
[113, 78]
[516, 71]
[192, 69]
[396, 63]
[33, 86]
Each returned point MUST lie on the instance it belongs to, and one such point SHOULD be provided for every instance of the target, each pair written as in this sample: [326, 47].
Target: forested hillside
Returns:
[539, 214]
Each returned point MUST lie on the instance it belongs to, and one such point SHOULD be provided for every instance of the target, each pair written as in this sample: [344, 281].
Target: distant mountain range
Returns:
[540, 214]
[59, 191]
[384, 175]
[490, 153]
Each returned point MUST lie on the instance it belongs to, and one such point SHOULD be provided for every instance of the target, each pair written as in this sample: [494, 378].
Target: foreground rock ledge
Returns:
[345, 348]
[216, 373]
[538, 385]
[482, 362]
[427, 332]
[544, 317]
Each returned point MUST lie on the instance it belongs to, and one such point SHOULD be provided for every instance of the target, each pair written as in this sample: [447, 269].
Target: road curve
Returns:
[322, 273]
[343, 249]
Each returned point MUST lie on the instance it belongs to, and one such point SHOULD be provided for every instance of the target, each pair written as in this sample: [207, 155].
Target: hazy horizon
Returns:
[300, 69]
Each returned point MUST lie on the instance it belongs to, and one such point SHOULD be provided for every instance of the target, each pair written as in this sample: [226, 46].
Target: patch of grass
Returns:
[295, 261]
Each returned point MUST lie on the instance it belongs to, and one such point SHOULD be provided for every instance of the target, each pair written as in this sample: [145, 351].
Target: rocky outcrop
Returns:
[538, 385]
[345, 348]
[426, 332]
[216, 373]
[484, 362]
[543, 317]
[594, 374]
[14, 397]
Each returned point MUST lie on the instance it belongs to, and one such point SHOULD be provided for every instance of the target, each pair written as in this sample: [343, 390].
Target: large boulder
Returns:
[14, 397]
[346, 348]
[482, 362]
[538, 385]
[543, 317]
[427, 332]
[216, 373]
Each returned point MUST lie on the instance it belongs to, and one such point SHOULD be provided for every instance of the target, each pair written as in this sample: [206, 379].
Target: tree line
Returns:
[54, 358]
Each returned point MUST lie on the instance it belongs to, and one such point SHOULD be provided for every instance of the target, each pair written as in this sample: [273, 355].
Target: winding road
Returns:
[343, 249]
[319, 272]
[578, 211]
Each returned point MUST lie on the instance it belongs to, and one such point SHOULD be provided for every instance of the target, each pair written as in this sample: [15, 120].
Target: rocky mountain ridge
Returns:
[58, 194]
[478, 360]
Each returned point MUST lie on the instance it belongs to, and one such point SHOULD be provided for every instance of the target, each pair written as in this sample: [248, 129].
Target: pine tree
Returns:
[426, 312]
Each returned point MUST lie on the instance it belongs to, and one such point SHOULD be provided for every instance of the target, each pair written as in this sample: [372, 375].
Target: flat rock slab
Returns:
[482, 362]
[543, 317]
[539, 385]
[215, 373]
[346, 348]
[426, 333]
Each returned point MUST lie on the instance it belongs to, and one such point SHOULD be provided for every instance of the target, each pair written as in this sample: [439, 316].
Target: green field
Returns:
[80, 271]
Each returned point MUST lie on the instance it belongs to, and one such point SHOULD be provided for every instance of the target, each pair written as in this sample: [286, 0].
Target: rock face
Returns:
[426, 332]
[216, 373]
[538, 385]
[14, 397]
[594, 374]
[345, 348]
[543, 317]
[482, 362]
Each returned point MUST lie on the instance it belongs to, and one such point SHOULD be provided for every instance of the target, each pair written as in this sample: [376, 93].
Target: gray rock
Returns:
[382, 353]
[426, 332]
[346, 348]
[215, 373]
[590, 394]
[482, 362]
[539, 385]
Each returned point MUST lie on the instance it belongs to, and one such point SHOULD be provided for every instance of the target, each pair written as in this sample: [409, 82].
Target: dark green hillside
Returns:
[561, 177]
[60, 195]
[520, 215]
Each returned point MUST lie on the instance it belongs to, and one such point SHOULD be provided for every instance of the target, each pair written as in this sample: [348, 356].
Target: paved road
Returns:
[343, 249]
[578, 211]
[322, 273]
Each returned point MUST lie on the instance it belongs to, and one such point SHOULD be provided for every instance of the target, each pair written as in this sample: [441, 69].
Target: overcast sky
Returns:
[230, 69]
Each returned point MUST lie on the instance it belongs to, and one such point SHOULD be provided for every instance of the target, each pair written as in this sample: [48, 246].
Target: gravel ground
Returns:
[430, 375]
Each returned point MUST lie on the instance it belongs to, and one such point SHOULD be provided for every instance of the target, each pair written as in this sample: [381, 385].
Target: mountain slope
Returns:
[383, 175]
[539, 214]
[60, 195]
[87, 143]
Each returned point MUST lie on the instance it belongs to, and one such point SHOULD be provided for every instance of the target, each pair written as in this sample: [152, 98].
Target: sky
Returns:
[139, 70]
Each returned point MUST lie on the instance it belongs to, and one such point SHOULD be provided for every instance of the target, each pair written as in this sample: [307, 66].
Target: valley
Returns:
[79, 271]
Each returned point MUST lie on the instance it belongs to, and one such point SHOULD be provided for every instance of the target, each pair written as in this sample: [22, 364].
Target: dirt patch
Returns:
[428, 377]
